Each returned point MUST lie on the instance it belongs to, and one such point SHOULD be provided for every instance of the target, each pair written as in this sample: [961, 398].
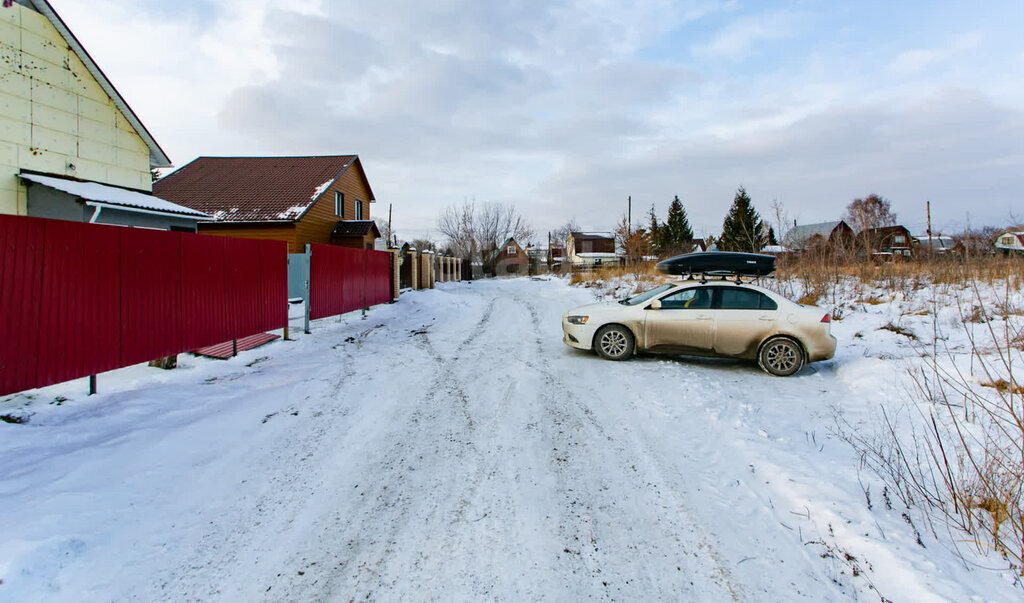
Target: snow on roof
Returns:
[320, 190]
[596, 255]
[290, 213]
[102, 193]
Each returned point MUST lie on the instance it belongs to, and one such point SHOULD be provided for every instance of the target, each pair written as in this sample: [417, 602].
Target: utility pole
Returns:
[389, 220]
[928, 209]
[629, 215]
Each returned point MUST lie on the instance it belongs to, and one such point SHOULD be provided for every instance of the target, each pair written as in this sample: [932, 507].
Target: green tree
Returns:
[743, 229]
[677, 236]
[654, 232]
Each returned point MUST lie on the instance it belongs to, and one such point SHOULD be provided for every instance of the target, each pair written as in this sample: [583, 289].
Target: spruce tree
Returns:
[654, 231]
[677, 236]
[743, 229]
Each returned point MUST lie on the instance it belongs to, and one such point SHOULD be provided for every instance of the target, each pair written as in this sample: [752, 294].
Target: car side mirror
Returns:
[655, 305]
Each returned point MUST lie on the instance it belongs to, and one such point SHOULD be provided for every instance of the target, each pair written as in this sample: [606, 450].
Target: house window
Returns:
[511, 250]
[899, 239]
[359, 209]
[339, 204]
[1008, 241]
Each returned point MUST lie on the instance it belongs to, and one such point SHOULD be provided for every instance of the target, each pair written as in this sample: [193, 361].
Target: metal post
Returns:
[92, 385]
[309, 269]
[234, 348]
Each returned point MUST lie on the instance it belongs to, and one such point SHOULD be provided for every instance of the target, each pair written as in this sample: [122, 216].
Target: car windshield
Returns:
[646, 295]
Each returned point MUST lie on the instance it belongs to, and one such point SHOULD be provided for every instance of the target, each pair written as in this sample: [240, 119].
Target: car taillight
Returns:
[826, 318]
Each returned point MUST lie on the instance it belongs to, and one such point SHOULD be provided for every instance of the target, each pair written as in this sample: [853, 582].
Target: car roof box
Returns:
[719, 263]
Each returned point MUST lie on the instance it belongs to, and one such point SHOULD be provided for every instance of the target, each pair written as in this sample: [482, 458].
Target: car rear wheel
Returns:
[781, 357]
[614, 342]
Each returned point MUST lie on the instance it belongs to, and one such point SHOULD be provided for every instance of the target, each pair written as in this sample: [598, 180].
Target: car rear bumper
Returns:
[822, 350]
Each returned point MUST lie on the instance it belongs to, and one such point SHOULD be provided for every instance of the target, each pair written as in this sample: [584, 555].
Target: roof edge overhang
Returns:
[66, 185]
[157, 157]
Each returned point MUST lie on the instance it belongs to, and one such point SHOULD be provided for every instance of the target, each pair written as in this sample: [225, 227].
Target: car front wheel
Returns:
[781, 357]
[614, 342]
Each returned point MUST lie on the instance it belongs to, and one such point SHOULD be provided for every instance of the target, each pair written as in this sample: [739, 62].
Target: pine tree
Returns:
[743, 229]
[678, 236]
[771, 236]
[655, 232]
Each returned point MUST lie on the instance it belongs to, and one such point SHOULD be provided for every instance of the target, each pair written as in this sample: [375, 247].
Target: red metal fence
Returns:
[79, 299]
[343, 279]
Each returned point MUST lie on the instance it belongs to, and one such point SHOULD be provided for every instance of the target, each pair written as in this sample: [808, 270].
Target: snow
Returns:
[292, 212]
[451, 447]
[320, 190]
[94, 191]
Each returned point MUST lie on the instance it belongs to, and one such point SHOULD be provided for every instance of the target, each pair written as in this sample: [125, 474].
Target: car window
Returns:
[646, 295]
[735, 298]
[698, 298]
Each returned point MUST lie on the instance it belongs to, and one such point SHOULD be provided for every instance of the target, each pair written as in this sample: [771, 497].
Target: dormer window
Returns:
[511, 250]
[339, 204]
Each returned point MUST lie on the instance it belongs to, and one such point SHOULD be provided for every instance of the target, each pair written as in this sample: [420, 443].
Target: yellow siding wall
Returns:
[53, 114]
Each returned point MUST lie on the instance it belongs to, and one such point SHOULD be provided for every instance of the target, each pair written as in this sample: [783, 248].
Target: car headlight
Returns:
[578, 320]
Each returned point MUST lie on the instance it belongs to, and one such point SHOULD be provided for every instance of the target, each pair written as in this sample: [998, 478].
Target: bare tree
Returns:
[474, 231]
[385, 230]
[872, 211]
[561, 234]
[634, 242]
[781, 220]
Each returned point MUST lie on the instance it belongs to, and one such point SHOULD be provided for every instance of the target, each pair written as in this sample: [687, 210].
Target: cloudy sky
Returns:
[567, 107]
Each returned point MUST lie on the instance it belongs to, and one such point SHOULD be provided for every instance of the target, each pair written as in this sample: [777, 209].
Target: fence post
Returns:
[309, 271]
[92, 385]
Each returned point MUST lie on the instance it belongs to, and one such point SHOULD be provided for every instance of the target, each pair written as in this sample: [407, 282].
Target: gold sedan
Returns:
[706, 318]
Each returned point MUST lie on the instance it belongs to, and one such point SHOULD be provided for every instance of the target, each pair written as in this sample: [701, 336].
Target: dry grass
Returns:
[909, 274]
[1005, 387]
[873, 300]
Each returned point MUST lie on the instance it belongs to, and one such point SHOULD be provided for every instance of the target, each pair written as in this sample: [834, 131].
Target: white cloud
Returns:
[568, 107]
[739, 37]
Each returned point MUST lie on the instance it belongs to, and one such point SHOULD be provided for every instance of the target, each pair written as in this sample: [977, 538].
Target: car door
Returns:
[743, 319]
[682, 325]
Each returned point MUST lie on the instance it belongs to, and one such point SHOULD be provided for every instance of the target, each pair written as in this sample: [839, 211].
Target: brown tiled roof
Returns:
[254, 189]
[354, 227]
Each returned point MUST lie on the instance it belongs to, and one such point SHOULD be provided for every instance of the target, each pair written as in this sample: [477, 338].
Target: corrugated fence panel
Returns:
[151, 322]
[80, 299]
[203, 296]
[21, 280]
[273, 293]
[326, 294]
[79, 326]
[378, 277]
[344, 279]
[353, 263]
[242, 279]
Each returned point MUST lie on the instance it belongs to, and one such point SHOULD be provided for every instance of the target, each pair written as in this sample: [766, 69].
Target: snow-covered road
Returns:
[449, 447]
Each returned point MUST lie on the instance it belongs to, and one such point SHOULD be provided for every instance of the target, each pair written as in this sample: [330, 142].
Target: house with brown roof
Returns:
[314, 199]
[509, 258]
[591, 249]
[829, 237]
[892, 240]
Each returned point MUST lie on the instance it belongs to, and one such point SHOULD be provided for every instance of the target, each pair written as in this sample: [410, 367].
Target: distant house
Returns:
[1010, 241]
[70, 146]
[591, 249]
[509, 258]
[938, 244]
[317, 199]
[823, 236]
[556, 254]
[894, 240]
